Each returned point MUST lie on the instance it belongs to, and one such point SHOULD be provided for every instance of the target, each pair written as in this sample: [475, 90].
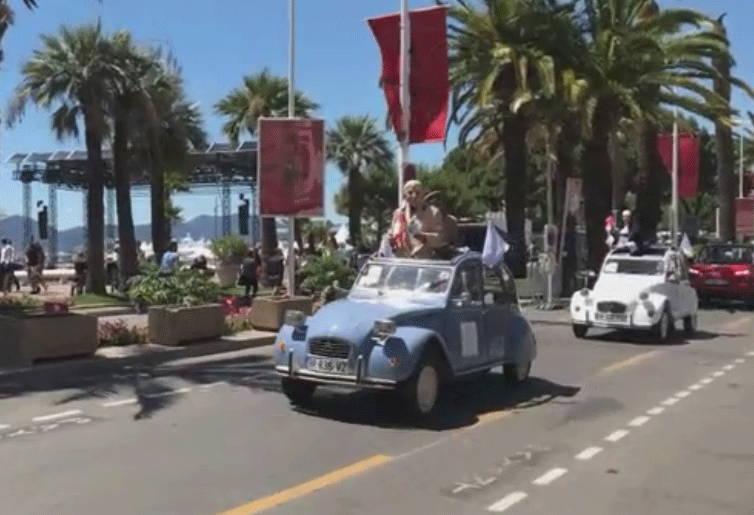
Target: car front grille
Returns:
[329, 348]
[611, 307]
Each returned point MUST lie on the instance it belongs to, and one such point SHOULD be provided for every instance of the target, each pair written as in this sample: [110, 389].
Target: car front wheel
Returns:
[579, 330]
[424, 388]
[516, 373]
[664, 327]
[298, 392]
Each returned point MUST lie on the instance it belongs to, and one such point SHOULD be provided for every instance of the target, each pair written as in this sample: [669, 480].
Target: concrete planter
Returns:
[267, 313]
[27, 336]
[175, 325]
[227, 274]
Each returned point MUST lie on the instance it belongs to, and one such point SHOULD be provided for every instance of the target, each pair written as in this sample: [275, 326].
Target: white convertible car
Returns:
[648, 292]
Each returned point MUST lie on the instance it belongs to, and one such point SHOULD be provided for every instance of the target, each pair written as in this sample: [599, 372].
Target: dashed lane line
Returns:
[696, 386]
[740, 360]
[4, 426]
[683, 394]
[588, 453]
[639, 421]
[121, 402]
[670, 401]
[656, 410]
[616, 435]
[728, 367]
[719, 373]
[508, 501]
[706, 380]
[62, 414]
[550, 476]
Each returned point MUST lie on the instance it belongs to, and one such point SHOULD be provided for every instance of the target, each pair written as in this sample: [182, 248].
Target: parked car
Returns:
[646, 292]
[412, 326]
[724, 270]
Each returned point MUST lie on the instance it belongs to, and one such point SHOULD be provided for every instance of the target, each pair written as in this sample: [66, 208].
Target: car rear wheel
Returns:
[424, 388]
[516, 373]
[579, 330]
[689, 325]
[664, 327]
[298, 392]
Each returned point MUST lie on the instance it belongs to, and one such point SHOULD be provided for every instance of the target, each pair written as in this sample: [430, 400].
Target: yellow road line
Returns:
[300, 490]
[492, 416]
[627, 362]
[735, 324]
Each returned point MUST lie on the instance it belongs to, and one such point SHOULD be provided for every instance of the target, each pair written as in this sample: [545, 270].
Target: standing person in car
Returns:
[418, 228]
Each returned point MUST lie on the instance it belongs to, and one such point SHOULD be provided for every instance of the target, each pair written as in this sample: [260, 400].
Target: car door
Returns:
[497, 303]
[466, 333]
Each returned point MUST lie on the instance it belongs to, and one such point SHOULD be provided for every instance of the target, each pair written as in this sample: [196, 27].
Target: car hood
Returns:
[623, 287]
[353, 319]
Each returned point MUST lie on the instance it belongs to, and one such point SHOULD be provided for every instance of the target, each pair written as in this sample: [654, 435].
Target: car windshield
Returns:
[387, 278]
[634, 266]
[726, 255]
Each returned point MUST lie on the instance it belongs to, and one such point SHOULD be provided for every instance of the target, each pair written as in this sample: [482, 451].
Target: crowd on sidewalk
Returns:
[33, 261]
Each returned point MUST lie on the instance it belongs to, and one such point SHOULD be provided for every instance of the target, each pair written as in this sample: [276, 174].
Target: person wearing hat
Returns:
[418, 228]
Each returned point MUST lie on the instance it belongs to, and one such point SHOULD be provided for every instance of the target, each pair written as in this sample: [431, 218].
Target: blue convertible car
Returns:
[412, 326]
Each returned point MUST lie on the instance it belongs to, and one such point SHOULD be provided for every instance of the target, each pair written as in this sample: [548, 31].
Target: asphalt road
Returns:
[602, 427]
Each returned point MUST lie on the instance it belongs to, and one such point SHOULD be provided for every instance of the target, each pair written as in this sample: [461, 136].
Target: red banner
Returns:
[429, 85]
[688, 161]
[744, 217]
[291, 167]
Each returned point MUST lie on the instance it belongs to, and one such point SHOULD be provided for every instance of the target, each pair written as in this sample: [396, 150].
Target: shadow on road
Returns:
[463, 404]
[151, 387]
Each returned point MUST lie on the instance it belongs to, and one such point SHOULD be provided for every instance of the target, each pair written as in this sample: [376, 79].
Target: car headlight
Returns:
[643, 295]
[585, 292]
[384, 328]
[294, 318]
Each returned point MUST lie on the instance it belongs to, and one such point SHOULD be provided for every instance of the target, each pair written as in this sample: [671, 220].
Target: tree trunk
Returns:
[566, 142]
[597, 185]
[618, 159]
[726, 185]
[298, 233]
[514, 146]
[157, 204]
[95, 205]
[127, 255]
[649, 181]
[355, 205]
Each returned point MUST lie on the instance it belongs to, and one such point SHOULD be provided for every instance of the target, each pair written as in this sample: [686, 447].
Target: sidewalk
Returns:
[560, 316]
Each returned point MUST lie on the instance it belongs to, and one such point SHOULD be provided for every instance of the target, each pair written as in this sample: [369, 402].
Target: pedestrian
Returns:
[6, 260]
[249, 276]
[80, 266]
[170, 259]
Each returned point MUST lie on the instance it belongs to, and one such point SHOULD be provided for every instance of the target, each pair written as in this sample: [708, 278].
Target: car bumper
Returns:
[726, 292]
[359, 380]
[633, 321]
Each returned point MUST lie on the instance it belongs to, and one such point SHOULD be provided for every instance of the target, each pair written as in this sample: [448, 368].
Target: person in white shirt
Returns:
[7, 258]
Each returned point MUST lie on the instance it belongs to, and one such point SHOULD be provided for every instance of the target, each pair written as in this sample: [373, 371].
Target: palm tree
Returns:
[501, 64]
[260, 95]
[355, 144]
[73, 73]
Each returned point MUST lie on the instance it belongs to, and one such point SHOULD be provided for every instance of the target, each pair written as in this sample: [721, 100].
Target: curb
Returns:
[103, 311]
[103, 365]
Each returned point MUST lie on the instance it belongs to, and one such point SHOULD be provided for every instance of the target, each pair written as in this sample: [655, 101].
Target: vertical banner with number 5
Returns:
[291, 167]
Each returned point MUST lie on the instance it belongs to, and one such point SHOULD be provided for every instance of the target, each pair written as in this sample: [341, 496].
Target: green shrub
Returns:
[19, 303]
[323, 271]
[183, 287]
[229, 249]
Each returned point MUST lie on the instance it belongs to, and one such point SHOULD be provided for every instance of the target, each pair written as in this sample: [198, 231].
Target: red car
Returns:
[724, 270]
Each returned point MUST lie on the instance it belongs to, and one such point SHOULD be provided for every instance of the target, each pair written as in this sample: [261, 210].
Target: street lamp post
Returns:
[291, 262]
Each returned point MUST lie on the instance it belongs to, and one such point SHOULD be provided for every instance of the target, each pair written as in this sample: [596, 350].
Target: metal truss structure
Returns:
[220, 166]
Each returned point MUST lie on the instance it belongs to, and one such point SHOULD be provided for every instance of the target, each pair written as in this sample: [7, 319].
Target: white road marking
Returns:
[706, 380]
[740, 360]
[670, 401]
[616, 435]
[507, 501]
[696, 386]
[683, 394]
[750, 353]
[62, 414]
[166, 394]
[121, 402]
[728, 367]
[4, 426]
[550, 476]
[211, 385]
[719, 373]
[639, 421]
[656, 411]
[588, 453]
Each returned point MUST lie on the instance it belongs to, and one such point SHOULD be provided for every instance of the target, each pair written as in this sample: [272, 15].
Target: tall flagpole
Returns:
[404, 96]
[674, 174]
[291, 262]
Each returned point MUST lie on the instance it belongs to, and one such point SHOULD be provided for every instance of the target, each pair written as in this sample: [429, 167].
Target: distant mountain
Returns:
[203, 226]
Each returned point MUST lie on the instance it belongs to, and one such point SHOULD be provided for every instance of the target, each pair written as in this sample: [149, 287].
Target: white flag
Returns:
[386, 250]
[495, 246]
[686, 246]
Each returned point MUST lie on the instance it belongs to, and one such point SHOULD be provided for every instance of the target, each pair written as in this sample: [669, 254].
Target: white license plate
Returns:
[716, 282]
[611, 317]
[328, 365]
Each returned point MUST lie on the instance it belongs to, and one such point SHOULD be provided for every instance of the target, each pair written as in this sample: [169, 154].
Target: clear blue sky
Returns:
[218, 41]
